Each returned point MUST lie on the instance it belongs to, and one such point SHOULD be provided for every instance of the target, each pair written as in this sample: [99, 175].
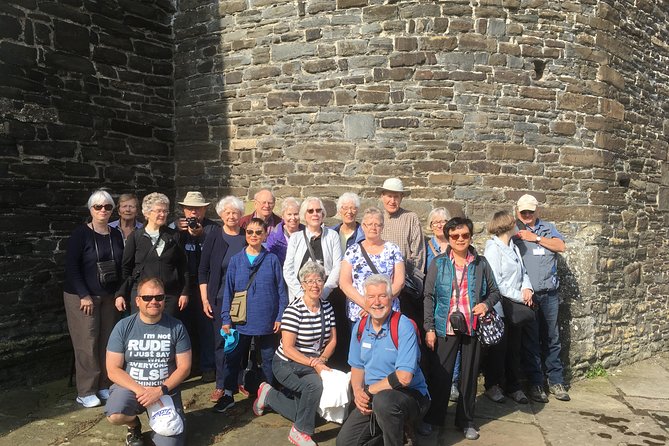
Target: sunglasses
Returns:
[106, 207]
[527, 212]
[149, 297]
[311, 211]
[459, 236]
[256, 232]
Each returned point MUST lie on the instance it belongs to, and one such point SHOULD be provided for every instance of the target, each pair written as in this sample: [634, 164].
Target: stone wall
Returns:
[86, 100]
[471, 103]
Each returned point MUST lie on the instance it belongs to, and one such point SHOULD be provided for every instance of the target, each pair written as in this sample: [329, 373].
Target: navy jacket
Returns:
[211, 270]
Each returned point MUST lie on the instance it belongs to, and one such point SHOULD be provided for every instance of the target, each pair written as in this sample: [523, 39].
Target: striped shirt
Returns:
[403, 229]
[298, 319]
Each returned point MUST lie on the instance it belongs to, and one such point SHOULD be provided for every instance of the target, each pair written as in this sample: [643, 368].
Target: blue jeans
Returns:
[541, 337]
[307, 386]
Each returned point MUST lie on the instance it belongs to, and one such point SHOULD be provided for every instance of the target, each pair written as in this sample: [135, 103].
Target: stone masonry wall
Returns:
[471, 103]
[86, 100]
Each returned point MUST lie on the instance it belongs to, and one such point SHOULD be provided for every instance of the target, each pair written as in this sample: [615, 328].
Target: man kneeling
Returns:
[148, 356]
[386, 378]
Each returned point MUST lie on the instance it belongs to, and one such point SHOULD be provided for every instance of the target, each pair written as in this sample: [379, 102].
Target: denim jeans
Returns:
[541, 338]
[307, 387]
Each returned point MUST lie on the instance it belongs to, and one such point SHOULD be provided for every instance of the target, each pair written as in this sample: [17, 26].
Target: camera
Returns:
[192, 222]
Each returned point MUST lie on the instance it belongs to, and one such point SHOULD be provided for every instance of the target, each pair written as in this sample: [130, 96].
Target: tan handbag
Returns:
[238, 304]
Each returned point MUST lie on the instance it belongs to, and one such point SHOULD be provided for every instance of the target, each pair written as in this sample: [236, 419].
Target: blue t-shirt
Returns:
[149, 349]
[376, 354]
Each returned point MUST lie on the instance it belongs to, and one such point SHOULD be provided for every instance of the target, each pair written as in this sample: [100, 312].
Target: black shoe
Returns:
[537, 394]
[134, 435]
[559, 391]
[224, 403]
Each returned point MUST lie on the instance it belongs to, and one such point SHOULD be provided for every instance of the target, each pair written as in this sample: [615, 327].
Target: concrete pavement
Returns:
[630, 406]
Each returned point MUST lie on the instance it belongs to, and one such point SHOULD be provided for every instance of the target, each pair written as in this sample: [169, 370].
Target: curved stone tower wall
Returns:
[471, 103]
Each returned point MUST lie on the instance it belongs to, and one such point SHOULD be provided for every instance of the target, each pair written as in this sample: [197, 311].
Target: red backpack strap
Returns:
[361, 326]
[394, 328]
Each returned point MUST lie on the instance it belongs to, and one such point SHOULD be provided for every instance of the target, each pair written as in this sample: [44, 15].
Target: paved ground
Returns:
[628, 407]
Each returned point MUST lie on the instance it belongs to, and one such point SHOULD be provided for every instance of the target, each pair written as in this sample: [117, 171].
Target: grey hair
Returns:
[267, 189]
[435, 212]
[345, 198]
[373, 212]
[100, 196]
[309, 268]
[289, 202]
[378, 279]
[305, 204]
[230, 200]
[153, 199]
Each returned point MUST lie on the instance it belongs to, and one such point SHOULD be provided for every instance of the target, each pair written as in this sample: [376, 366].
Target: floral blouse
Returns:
[385, 264]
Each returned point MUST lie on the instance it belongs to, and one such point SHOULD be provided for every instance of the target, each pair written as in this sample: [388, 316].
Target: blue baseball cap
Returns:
[231, 340]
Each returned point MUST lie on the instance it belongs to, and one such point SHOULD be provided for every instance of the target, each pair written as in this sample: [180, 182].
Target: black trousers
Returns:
[501, 362]
[339, 359]
[392, 410]
[442, 363]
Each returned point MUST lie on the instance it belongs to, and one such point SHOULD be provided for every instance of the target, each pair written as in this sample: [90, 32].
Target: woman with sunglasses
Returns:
[89, 296]
[385, 258]
[316, 243]
[459, 287]
[154, 251]
[258, 272]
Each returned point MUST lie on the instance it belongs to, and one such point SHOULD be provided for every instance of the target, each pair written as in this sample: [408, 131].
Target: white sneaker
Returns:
[89, 401]
[103, 394]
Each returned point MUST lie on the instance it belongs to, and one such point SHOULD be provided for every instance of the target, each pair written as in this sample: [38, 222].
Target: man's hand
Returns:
[149, 396]
[119, 303]
[277, 327]
[362, 401]
[183, 301]
[431, 340]
[197, 231]
[527, 235]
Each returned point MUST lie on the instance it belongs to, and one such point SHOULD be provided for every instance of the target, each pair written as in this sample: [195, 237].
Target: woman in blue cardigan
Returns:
[265, 301]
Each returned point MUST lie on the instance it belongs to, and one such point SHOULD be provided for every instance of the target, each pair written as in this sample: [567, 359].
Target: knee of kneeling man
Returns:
[384, 402]
[117, 418]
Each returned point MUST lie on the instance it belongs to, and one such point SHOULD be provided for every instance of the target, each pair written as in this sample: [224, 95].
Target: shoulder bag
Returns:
[238, 304]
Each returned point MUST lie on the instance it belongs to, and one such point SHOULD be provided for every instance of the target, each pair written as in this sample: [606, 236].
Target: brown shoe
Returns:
[216, 395]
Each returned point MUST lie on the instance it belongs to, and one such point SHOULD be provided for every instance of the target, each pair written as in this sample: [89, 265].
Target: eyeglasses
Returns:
[349, 209]
[317, 210]
[149, 297]
[438, 223]
[460, 236]
[106, 207]
[256, 232]
[314, 282]
[160, 211]
[373, 225]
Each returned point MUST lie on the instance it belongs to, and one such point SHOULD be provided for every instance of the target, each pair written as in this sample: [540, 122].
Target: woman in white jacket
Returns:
[501, 366]
[315, 242]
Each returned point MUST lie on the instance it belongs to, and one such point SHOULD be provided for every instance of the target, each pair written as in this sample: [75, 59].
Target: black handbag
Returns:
[490, 328]
[516, 313]
[458, 322]
[107, 271]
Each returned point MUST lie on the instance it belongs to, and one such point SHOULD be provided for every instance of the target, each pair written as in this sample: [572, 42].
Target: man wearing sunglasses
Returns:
[148, 356]
[540, 243]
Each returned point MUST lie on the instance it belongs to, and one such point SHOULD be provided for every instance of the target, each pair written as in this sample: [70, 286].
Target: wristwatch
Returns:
[538, 239]
[165, 390]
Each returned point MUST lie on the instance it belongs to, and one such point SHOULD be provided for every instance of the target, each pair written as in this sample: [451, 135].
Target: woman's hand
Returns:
[206, 307]
[119, 303]
[527, 296]
[226, 329]
[86, 305]
[431, 340]
[183, 301]
[277, 327]
[480, 309]
[320, 367]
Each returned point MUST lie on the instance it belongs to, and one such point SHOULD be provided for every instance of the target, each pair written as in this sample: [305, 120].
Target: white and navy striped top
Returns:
[298, 319]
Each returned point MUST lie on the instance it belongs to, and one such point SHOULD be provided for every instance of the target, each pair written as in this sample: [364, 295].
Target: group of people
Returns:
[294, 298]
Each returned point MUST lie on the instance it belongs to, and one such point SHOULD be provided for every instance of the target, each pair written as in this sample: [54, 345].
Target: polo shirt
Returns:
[376, 354]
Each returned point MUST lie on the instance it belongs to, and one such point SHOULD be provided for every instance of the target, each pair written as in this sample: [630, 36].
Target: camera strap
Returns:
[456, 284]
[111, 245]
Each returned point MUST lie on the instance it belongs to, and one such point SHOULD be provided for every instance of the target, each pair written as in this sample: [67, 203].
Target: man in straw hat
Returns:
[539, 243]
[403, 228]
[193, 229]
